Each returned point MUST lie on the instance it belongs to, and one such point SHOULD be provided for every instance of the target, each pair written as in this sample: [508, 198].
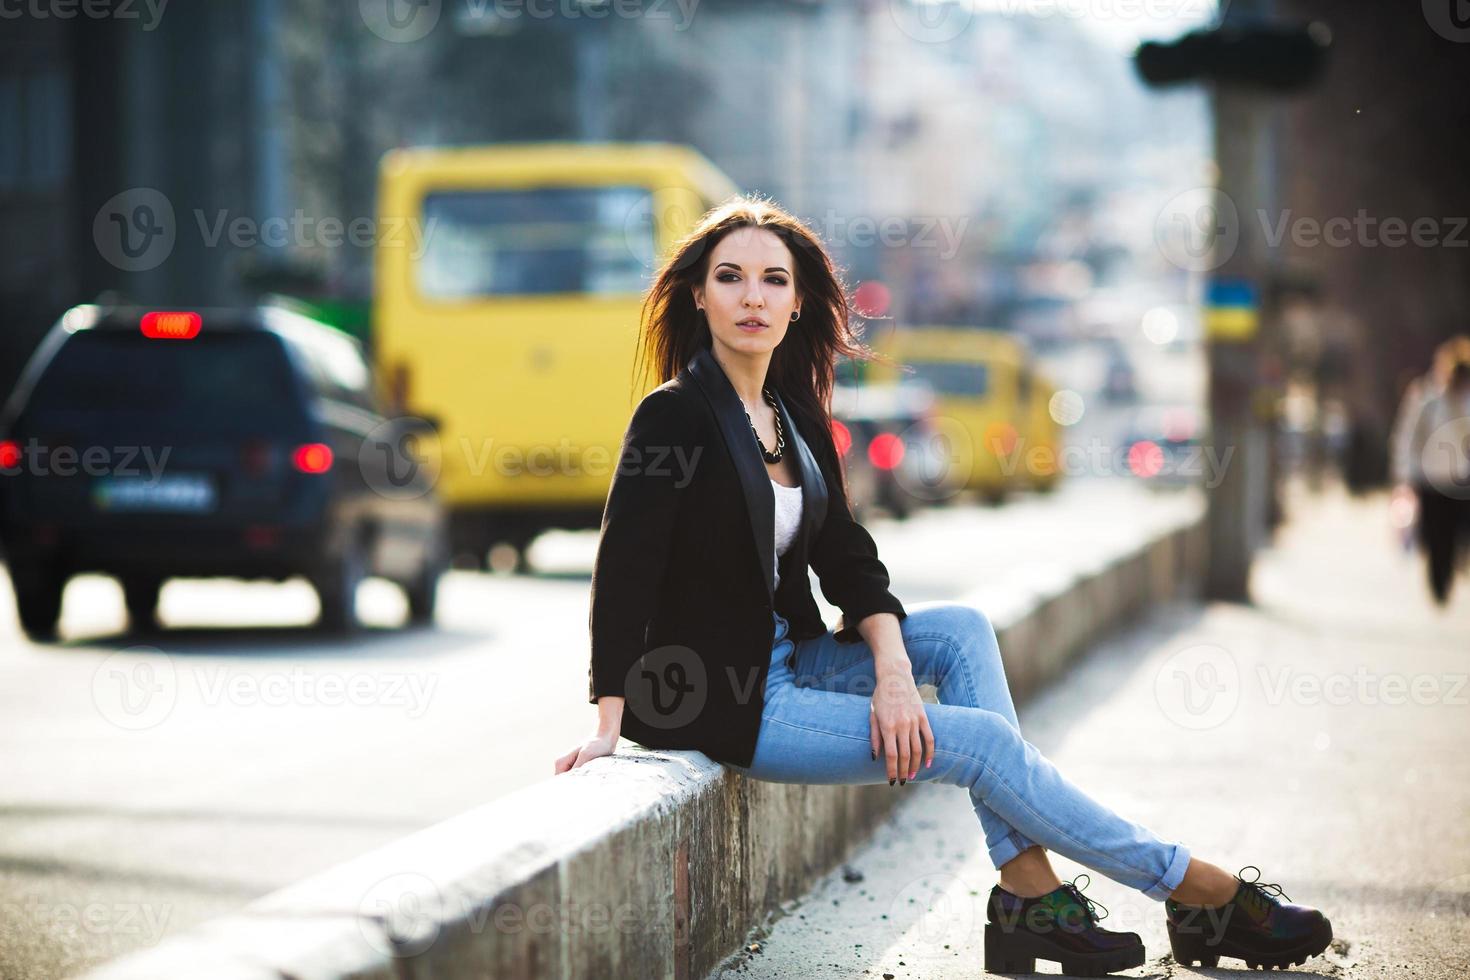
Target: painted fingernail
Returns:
[890, 781]
[873, 752]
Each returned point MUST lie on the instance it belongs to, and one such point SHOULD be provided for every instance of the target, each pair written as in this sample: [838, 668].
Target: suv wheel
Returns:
[336, 588]
[38, 591]
[140, 594]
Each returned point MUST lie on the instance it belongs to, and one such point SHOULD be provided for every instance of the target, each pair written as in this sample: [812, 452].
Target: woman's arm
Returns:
[632, 554]
[845, 558]
[637, 533]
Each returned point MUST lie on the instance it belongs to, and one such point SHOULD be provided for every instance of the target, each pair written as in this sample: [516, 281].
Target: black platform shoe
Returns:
[1060, 926]
[1255, 926]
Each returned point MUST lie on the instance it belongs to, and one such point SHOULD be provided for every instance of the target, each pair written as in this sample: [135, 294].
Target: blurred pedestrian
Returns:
[1431, 461]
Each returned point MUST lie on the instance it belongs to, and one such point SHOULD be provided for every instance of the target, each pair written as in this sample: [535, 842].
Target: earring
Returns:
[795, 315]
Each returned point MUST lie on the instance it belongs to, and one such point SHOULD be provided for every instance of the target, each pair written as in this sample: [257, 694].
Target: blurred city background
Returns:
[1136, 256]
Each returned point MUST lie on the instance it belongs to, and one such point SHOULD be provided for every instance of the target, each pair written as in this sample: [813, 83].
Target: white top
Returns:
[1428, 438]
[788, 518]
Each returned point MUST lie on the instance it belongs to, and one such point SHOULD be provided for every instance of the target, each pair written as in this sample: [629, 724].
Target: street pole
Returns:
[1246, 57]
[1236, 504]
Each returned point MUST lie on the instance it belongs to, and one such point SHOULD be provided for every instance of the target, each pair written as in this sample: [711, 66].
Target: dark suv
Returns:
[148, 444]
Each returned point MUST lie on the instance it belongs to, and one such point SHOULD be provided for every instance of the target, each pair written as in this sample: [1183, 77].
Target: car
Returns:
[245, 442]
[885, 433]
[1164, 446]
[994, 430]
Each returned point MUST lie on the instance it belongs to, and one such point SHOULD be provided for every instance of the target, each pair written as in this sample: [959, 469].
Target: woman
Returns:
[705, 634]
[1431, 462]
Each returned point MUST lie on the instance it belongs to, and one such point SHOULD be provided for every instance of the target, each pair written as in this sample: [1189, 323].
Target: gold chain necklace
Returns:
[770, 457]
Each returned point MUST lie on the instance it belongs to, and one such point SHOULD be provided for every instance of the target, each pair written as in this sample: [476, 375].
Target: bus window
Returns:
[957, 378]
[593, 241]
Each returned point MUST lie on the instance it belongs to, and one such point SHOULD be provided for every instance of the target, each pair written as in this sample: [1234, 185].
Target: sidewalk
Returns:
[1319, 734]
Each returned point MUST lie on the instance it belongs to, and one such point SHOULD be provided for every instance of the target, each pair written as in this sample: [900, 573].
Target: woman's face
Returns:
[749, 291]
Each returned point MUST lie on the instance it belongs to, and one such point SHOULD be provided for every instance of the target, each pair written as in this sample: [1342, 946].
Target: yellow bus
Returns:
[991, 406]
[506, 313]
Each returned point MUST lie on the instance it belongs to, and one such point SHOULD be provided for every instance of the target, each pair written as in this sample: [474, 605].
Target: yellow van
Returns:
[506, 313]
[991, 406]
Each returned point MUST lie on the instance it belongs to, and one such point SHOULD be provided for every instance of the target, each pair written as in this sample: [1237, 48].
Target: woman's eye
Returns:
[731, 277]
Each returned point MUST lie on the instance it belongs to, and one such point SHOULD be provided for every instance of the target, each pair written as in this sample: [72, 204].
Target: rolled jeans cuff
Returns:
[1009, 848]
[1165, 886]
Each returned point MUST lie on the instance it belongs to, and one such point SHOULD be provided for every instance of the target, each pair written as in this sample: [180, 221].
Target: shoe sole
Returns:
[1191, 948]
[1017, 952]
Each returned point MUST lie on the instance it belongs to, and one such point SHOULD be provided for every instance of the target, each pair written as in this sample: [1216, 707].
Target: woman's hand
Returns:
[593, 748]
[899, 726]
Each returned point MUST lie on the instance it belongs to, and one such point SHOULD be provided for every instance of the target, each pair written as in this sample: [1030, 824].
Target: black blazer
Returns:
[682, 592]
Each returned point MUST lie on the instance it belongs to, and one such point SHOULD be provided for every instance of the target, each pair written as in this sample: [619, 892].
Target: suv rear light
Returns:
[314, 457]
[170, 325]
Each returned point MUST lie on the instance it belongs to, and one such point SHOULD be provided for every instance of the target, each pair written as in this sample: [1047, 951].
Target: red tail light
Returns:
[886, 450]
[1145, 458]
[314, 457]
[842, 437]
[170, 326]
[9, 454]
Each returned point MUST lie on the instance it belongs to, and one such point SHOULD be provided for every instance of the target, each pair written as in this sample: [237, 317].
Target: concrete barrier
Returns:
[646, 864]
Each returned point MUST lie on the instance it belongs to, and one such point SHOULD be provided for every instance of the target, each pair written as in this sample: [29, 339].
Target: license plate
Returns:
[174, 493]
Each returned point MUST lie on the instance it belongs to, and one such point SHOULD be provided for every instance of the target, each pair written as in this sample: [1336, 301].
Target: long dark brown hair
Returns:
[803, 366]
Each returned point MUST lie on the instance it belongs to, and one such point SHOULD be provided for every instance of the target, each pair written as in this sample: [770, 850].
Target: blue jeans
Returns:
[815, 729]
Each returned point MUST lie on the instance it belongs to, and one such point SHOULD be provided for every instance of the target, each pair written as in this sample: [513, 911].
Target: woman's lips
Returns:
[751, 327]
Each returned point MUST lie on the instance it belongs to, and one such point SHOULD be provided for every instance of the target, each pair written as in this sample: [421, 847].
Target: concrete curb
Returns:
[648, 864]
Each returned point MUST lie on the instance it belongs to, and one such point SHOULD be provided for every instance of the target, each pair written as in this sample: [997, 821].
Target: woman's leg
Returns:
[1437, 536]
[952, 646]
[812, 735]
